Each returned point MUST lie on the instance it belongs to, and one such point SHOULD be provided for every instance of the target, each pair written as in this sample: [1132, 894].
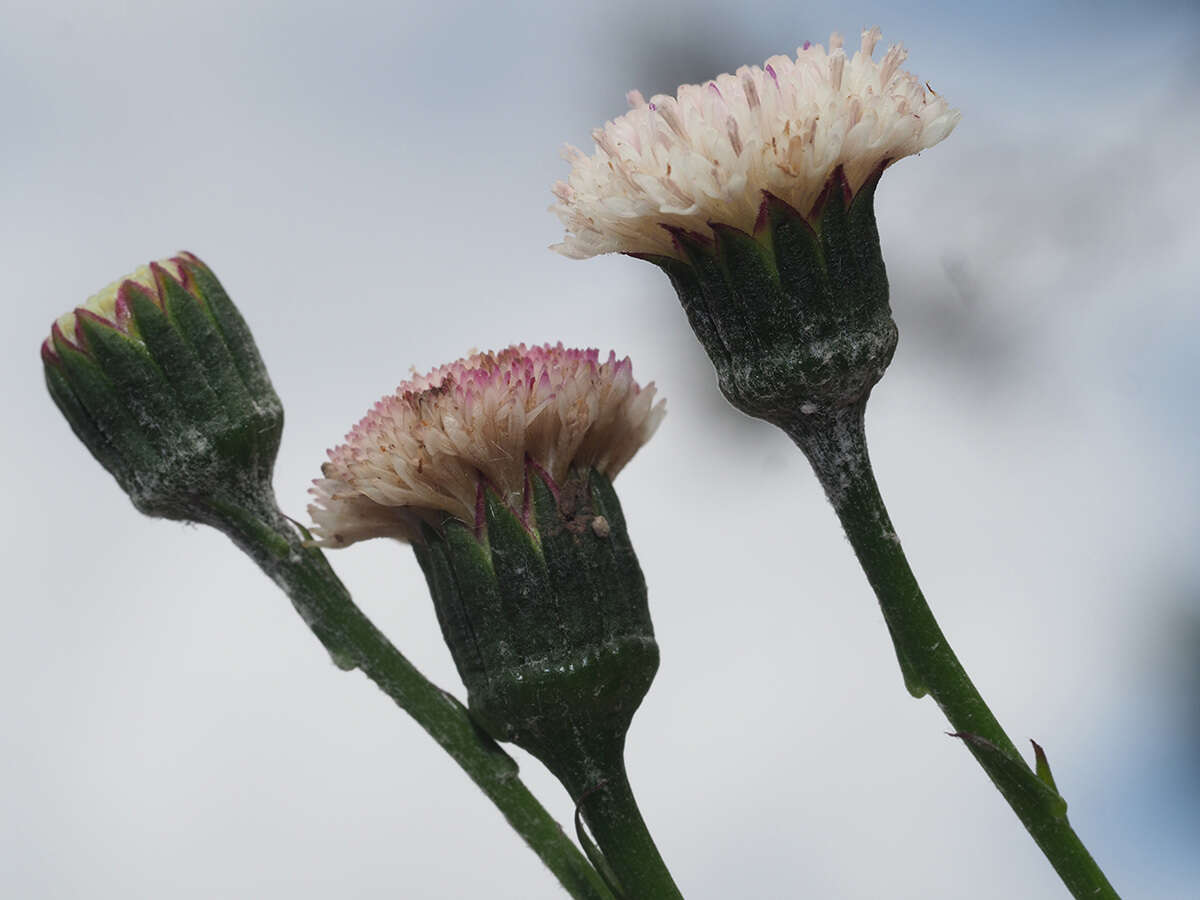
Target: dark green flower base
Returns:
[794, 316]
[545, 613]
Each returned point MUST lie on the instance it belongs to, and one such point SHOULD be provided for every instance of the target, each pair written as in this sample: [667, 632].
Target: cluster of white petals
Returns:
[428, 447]
[707, 154]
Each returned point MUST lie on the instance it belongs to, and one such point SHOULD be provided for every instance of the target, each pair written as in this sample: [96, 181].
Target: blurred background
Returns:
[369, 180]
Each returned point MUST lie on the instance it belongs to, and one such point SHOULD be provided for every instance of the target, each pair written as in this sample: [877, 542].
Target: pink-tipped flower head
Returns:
[709, 153]
[486, 421]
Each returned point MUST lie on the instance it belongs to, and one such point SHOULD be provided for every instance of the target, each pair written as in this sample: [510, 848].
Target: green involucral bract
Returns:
[547, 622]
[795, 316]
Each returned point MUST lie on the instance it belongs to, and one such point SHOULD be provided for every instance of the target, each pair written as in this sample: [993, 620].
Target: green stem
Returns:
[835, 444]
[612, 815]
[354, 642]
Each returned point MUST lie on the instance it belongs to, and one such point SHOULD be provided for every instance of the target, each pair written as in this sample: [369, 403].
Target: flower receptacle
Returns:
[545, 613]
[795, 317]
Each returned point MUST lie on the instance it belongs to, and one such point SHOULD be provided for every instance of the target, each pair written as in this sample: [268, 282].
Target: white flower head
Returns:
[433, 446]
[708, 153]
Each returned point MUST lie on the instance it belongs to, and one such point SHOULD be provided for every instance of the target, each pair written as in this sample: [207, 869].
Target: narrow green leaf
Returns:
[597, 858]
[913, 683]
[1014, 777]
[1043, 766]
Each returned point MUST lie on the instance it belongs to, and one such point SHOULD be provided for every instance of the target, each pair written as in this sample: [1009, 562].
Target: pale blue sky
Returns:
[370, 181]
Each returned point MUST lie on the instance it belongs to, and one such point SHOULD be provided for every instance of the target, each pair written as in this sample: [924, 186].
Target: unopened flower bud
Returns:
[159, 377]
